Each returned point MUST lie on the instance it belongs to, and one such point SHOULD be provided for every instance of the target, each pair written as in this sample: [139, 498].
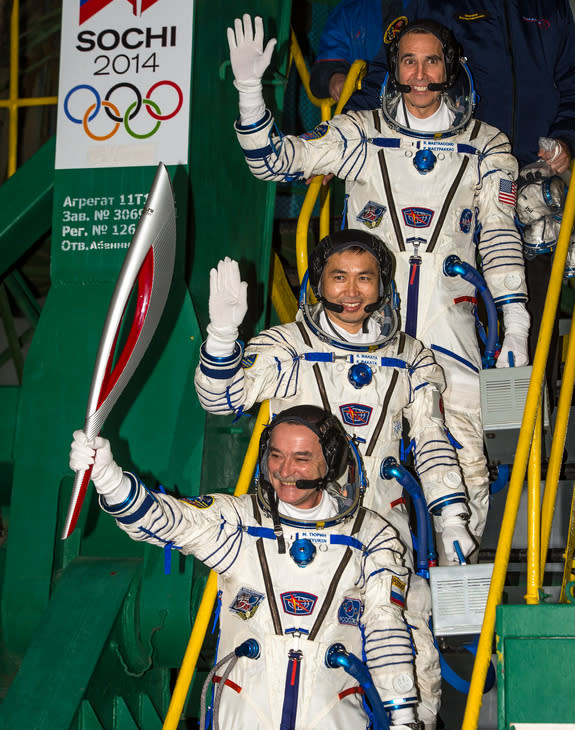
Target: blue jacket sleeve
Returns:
[354, 30]
[564, 124]
[368, 96]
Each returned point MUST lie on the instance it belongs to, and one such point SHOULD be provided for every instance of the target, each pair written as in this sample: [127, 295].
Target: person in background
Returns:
[354, 30]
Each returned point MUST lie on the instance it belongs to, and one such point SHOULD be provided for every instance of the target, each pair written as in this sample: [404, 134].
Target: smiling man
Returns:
[293, 457]
[421, 67]
[302, 569]
[346, 354]
[350, 280]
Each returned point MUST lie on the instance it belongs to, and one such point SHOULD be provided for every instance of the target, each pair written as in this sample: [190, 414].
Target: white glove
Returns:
[404, 719]
[454, 527]
[228, 305]
[557, 155]
[108, 477]
[249, 60]
[516, 324]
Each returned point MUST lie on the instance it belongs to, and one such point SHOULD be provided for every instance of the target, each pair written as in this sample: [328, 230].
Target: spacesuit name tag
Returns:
[313, 536]
[437, 145]
[366, 358]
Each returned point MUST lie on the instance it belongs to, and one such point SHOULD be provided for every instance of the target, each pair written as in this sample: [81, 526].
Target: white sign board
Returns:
[541, 726]
[124, 90]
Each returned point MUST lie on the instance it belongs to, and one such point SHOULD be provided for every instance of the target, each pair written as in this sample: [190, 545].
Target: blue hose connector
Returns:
[426, 554]
[337, 656]
[250, 648]
[454, 266]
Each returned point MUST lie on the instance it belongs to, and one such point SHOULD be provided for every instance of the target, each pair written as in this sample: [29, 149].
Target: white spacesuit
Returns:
[309, 361]
[540, 202]
[429, 188]
[373, 381]
[294, 582]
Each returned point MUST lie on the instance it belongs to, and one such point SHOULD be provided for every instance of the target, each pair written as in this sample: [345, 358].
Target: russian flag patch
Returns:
[397, 592]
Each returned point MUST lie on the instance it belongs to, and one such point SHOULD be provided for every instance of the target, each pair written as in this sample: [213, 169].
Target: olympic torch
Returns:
[147, 268]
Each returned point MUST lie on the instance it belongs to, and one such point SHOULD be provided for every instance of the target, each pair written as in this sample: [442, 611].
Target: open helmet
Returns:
[457, 90]
[344, 478]
[384, 311]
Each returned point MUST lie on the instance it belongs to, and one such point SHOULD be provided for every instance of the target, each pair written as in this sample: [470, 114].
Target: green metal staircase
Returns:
[92, 629]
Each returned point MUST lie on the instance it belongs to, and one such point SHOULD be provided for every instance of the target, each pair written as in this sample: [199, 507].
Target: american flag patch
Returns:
[507, 191]
[397, 593]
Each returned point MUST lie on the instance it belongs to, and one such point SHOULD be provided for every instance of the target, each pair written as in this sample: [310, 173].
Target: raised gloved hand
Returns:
[454, 527]
[228, 305]
[108, 477]
[249, 60]
[516, 324]
[248, 57]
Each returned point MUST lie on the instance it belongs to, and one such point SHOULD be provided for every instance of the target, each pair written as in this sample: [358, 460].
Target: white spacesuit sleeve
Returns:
[199, 526]
[338, 146]
[269, 369]
[499, 241]
[435, 459]
[388, 647]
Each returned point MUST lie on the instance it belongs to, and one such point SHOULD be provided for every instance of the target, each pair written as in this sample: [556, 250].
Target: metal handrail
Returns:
[352, 82]
[534, 514]
[13, 105]
[14, 102]
[484, 649]
[557, 445]
[206, 607]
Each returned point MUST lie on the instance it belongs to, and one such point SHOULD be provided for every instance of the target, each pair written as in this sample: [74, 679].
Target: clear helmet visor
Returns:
[380, 326]
[451, 117]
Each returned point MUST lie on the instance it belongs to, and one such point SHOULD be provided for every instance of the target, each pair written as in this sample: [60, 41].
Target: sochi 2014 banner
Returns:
[125, 68]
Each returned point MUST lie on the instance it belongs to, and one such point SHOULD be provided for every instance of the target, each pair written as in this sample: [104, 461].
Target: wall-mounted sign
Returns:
[125, 69]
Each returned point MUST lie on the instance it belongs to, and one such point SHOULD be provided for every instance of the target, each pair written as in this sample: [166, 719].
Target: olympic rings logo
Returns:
[132, 110]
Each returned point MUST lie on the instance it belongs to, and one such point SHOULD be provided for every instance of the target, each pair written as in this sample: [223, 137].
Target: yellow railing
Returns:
[210, 591]
[14, 103]
[286, 307]
[356, 73]
[539, 529]
[354, 76]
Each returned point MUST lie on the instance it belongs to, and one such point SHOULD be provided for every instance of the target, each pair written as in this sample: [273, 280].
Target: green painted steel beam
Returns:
[50, 685]
[535, 661]
[26, 205]
[87, 719]
[123, 719]
[9, 398]
[232, 213]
